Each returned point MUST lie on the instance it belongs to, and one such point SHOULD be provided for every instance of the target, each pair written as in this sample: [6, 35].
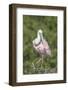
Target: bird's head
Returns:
[40, 31]
[40, 34]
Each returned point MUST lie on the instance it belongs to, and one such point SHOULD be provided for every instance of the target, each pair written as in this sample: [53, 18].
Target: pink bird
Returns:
[41, 45]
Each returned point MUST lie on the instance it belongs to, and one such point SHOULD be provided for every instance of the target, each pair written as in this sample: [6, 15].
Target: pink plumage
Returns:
[41, 45]
[43, 48]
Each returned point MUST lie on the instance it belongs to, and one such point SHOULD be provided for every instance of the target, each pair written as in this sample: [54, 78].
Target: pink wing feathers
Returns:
[43, 48]
[47, 48]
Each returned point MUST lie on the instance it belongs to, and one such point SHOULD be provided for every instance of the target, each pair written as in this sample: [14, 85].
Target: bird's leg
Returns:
[38, 61]
[33, 66]
[42, 61]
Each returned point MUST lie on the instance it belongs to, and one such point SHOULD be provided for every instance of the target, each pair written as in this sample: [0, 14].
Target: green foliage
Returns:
[49, 26]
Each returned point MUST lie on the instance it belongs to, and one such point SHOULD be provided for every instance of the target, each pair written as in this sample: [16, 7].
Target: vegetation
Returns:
[49, 26]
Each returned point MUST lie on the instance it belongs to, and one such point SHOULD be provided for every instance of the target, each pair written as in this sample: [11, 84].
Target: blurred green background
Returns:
[31, 25]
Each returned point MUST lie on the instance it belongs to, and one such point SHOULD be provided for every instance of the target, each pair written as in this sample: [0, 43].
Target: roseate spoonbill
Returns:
[41, 45]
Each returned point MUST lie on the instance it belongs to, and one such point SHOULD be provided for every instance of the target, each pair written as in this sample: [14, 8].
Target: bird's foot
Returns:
[33, 66]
